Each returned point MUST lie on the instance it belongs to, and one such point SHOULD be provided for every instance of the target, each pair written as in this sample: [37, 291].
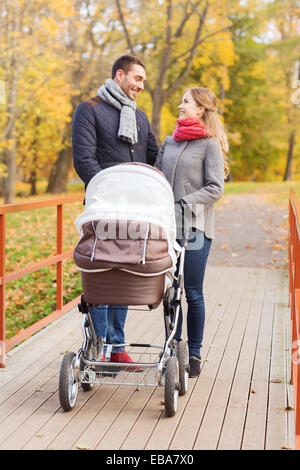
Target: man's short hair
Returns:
[124, 63]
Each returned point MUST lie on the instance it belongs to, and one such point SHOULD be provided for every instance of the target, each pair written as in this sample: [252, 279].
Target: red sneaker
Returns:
[124, 357]
[98, 358]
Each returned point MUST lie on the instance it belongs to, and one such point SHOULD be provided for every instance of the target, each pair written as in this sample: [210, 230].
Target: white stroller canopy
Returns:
[130, 191]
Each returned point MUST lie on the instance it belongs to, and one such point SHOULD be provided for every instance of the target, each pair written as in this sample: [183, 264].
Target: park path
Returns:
[250, 231]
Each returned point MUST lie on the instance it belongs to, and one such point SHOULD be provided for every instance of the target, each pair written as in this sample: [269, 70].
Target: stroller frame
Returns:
[170, 369]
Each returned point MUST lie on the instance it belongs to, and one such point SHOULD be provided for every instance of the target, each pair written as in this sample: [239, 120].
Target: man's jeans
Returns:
[109, 322]
[194, 269]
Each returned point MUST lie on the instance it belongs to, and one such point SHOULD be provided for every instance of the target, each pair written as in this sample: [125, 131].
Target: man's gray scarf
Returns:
[112, 94]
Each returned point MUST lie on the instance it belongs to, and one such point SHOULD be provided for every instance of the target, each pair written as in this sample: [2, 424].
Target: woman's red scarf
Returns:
[189, 129]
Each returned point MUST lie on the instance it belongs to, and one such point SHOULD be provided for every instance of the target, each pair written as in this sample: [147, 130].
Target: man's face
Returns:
[132, 82]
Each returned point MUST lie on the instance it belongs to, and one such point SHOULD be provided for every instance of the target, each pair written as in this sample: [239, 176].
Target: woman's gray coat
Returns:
[195, 170]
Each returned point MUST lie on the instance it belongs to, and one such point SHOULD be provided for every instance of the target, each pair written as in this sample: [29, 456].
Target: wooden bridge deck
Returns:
[241, 400]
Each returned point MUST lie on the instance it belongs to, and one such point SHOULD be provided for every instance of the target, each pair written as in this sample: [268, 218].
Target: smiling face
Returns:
[132, 82]
[188, 109]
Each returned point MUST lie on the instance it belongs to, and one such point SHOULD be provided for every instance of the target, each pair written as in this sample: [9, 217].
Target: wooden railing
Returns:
[294, 279]
[7, 345]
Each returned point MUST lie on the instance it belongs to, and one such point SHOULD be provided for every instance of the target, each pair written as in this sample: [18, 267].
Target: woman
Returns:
[194, 162]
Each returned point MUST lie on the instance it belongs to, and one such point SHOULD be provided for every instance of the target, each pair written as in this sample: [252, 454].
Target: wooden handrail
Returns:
[6, 345]
[294, 290]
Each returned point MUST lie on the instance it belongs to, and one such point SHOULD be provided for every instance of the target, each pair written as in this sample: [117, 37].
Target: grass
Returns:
[275, 192]
[31, 236]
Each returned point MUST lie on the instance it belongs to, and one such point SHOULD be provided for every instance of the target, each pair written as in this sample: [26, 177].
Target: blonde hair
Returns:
[206, 97]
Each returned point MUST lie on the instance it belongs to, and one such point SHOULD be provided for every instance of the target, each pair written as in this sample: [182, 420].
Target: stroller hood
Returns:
[131, 191]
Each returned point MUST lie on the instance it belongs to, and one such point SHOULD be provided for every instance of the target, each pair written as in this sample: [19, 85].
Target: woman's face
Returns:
[189, 108]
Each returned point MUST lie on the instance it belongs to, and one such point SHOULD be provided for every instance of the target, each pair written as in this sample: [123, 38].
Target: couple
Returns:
[108, 129]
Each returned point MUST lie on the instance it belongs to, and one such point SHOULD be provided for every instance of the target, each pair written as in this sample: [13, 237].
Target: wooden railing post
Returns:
[59, 265]
[2, 290]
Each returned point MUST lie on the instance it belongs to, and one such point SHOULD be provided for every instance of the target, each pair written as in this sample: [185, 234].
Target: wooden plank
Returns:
[158, 438]
[40, 436]
[215, 333]
[119, 429]
[277, 417]
[241, 386]
[291, 438]
[20, 419]
[97, 426]
[33, 354]
[212, 421]
[143, 429]
[10, 410]
[255, 422]
[190, 423]
[145, 425]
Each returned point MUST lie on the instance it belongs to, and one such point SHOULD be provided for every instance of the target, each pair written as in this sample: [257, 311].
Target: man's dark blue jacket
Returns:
[95, 139]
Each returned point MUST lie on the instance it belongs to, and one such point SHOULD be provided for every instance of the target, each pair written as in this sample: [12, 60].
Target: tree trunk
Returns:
[290, 154]
[33, 191]
[157, 104]
[59, 174]
[8, 183]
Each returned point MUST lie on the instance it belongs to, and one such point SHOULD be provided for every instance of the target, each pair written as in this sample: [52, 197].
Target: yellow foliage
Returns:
[168, 122]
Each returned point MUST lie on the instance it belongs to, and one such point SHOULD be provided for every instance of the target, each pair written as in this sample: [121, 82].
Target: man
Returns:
[107, 130]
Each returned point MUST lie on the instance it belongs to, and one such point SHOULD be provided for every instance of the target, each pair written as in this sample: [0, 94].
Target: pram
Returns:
[128, 255]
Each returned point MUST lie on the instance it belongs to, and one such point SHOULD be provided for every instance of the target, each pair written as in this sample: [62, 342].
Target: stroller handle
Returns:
[184, 224]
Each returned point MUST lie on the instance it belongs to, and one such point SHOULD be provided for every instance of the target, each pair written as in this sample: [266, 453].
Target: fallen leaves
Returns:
[83, 447]
[279, 247]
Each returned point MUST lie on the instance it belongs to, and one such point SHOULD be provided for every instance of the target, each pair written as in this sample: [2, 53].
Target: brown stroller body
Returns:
[127, 255]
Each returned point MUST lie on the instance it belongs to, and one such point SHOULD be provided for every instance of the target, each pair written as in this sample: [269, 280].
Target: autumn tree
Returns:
[284, 17]
[30, 35]
[85, 48]
[253, 107]
[168, 35]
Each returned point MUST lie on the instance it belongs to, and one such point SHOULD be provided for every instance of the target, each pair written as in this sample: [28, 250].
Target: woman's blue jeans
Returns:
[194, 270]
[109, 323]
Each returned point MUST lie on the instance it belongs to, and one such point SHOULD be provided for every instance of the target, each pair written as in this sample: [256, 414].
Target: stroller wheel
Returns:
[183, 363]
[68, 386]
[171, 386]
